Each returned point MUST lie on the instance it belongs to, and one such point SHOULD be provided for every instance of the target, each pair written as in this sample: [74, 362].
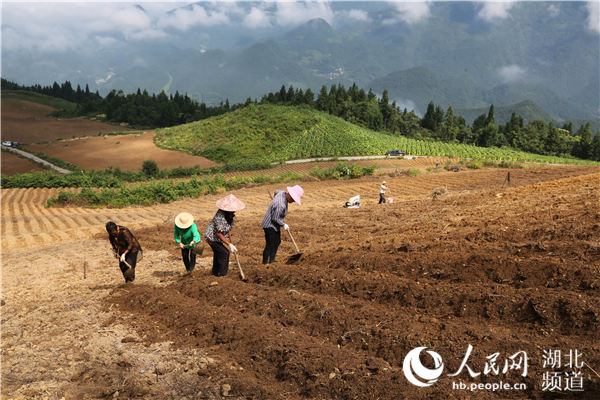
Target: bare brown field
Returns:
[127, 152]
[502, 268]
[27, 122]
[13, 164]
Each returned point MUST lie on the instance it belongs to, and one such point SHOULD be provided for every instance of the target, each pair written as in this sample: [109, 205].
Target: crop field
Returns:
[504, 268]
[13, 164]
[28, 122]
[127, 152]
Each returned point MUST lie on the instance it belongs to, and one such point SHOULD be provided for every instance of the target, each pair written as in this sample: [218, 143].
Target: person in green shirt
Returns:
[187, 236]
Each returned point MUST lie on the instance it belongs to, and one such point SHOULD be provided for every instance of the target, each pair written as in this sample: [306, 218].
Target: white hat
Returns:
[184, 220]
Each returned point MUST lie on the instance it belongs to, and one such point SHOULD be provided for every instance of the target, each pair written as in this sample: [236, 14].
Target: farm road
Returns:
[37, 159]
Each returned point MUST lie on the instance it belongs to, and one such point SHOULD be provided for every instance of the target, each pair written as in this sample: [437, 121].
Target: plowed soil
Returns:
[127, 152]
[27, 122]
[506, 268]
[13, 164]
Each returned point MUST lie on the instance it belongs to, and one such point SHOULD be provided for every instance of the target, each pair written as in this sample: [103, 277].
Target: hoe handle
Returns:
[237, 260]
[293, 241]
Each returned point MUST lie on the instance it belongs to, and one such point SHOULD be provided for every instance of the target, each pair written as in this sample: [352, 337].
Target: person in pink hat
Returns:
[274, 219]
[217, 233]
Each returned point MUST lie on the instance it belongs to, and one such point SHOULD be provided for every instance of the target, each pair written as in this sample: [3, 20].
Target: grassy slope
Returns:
[274, 133]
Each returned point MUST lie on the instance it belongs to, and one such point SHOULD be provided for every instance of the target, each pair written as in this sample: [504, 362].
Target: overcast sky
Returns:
[57, 26]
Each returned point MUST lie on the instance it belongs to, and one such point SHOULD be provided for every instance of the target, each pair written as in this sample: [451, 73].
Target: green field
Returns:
[278, 133]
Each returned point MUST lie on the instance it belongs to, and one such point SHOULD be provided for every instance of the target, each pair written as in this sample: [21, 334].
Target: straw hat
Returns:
[296, 192]
[384, 182]
[184, 220]
[230, 203]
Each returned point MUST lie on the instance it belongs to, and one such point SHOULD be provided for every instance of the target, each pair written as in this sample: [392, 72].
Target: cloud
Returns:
[593, 21]
[511, 73]
[408, 104]
[409, 12]
[257, 18]
[185, 18]
[553, 10]
[354, 14]
[495, 10]
[71, 26]
[296, 13]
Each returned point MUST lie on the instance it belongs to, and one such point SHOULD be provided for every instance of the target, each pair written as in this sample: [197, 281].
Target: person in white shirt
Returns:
[382, 190]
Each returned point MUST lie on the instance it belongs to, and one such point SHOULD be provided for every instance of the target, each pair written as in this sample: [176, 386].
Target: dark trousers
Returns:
[381, 198]
[220, 259]
[131, 258]
[189, 259]
[273, 239]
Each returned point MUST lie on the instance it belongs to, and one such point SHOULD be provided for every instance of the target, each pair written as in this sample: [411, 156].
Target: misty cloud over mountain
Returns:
[460, 53]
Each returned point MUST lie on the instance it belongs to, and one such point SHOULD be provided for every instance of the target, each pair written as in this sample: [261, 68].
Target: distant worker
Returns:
[126, 248]
[274, 220]
[217, 233]
[187, 236]
[382, 190]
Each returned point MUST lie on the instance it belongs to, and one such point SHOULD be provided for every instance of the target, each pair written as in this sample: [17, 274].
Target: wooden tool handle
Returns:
[293, 241]
[237, 260]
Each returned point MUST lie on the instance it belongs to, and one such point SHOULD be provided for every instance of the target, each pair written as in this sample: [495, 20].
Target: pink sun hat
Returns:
[296, 192]
[230, 203]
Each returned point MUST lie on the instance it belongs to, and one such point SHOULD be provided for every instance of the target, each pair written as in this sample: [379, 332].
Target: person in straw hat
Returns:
[217, 233]
[187, 236]
[274, 220]
[126, 248]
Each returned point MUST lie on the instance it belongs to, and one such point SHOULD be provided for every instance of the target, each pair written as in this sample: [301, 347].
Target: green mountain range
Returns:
[543, 51]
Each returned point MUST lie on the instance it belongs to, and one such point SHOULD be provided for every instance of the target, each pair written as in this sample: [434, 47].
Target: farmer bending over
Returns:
[274, 220]
[187, 236]
[126, 247]
[217, 233]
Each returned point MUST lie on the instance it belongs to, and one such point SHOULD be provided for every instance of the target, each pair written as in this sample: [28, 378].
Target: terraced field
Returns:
[501, 267]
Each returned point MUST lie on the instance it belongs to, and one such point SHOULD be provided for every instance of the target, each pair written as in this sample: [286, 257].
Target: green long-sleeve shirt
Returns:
[185, 236]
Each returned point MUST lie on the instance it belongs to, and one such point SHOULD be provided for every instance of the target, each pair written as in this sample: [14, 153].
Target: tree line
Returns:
[352, 104]
[537, 136]
[138, 109]
[366, 109]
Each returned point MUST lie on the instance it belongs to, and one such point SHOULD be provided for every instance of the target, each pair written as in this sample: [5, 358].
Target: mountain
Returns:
[550, 101]
[420, 86]
[527, 109]
[454, 54]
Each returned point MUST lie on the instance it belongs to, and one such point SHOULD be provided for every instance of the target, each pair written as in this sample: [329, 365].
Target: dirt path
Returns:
[501, 268]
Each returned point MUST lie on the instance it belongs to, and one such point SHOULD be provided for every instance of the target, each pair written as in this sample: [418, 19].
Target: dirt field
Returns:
[127, 152]
[27, 122]
[505, 269]
[13, 164]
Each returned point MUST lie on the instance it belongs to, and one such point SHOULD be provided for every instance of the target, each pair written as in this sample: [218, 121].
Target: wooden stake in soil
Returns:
[507, 179]
[85, 270]
[584, 363]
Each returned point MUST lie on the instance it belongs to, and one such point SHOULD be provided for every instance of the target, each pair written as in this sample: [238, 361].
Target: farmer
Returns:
[382, 190]
[187, 236]
[274, 220]
[217, 233]
[126, 247]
